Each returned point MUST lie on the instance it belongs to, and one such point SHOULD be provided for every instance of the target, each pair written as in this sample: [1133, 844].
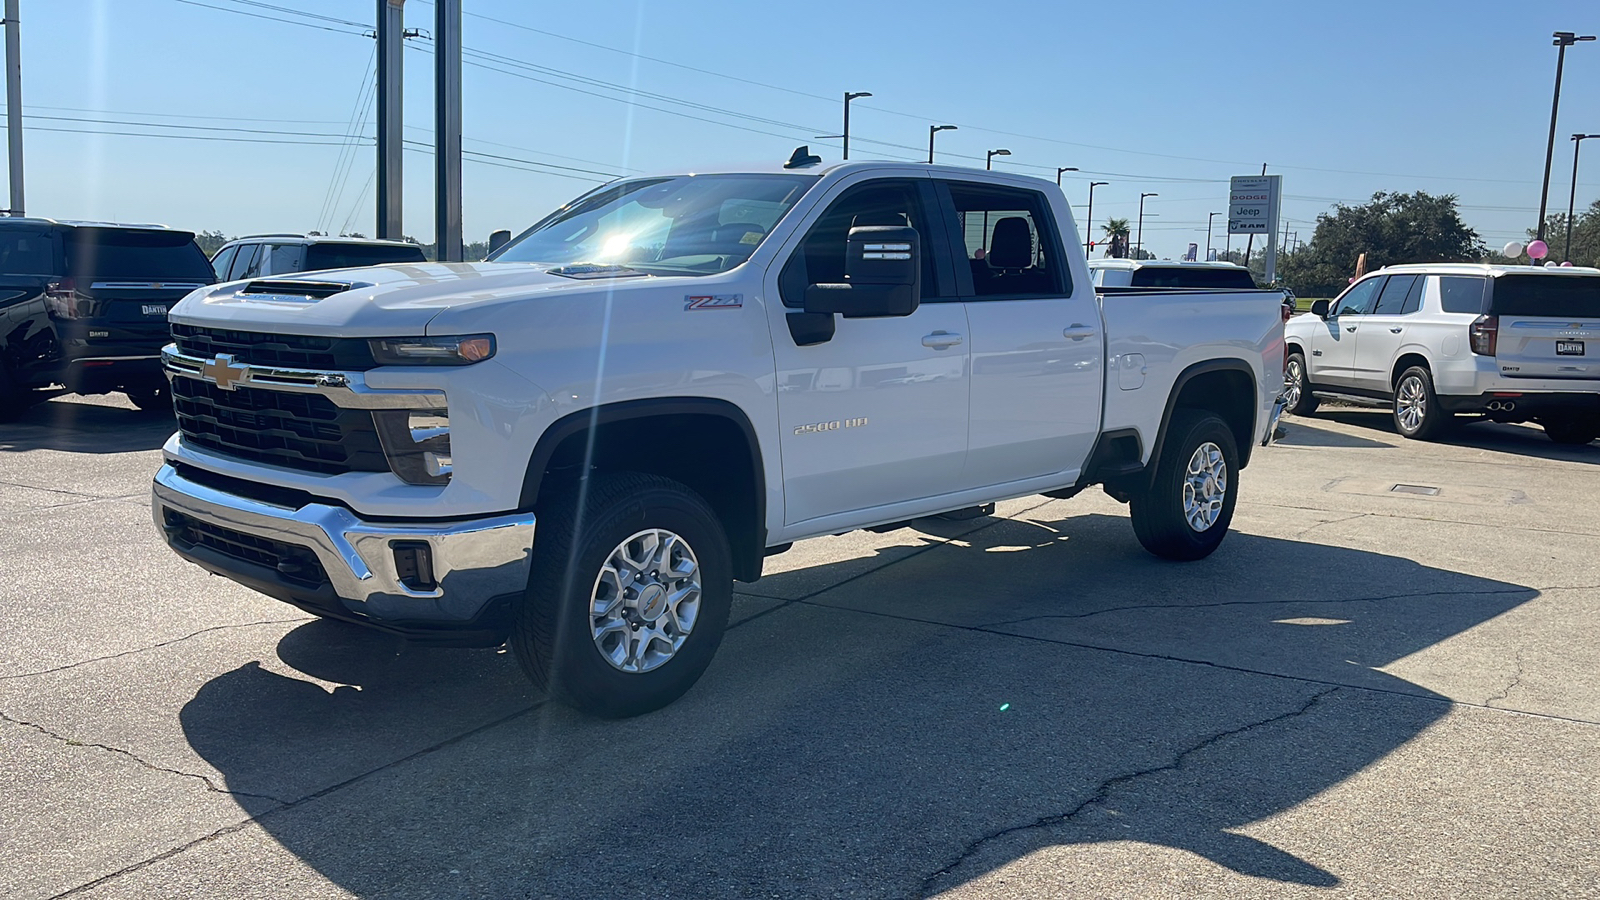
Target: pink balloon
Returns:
[1566, 264]
[1538, 250]
[1352, 281]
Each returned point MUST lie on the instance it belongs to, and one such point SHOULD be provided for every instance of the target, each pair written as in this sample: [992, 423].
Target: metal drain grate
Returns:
[1423, 489]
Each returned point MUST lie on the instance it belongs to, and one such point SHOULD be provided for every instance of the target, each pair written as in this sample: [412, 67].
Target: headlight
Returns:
[455, 350]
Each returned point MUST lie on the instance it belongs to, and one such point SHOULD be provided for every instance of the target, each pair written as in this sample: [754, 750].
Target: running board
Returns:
[1357, 399]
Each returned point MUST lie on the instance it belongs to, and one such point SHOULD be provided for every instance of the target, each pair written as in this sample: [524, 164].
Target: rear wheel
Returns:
[1297, 396]
[629, 595]
[1417, 413]
[1184, 514]
[1571, 430]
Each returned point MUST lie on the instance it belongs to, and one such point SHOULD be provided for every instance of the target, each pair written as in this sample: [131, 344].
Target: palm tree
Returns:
[1116, 231]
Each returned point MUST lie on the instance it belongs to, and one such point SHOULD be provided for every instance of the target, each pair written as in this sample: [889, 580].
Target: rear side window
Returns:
[351, 256]
[1011, 247]
[117, 253]
[1392, 301]
[1192, 277]
[281, 259]
[246, 264]
[27, 254]
[1555, 296]
[1459, 294]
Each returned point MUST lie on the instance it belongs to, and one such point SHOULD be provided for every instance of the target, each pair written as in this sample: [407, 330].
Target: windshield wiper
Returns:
[597, 270]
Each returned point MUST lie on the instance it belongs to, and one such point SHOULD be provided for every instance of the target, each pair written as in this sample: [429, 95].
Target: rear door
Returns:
[1549, 325]
[1333, 343]
[1036, 338]
[1383, 331]
[130, 277]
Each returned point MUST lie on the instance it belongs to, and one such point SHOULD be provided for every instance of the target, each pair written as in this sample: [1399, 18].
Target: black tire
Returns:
[1159, 517]
[1573, 431]
[577, 534]
[1305, 403]
[1414, 390]
[152, 397]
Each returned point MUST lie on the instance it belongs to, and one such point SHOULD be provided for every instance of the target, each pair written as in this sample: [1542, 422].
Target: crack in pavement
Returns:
[72, 742]
[1304, 531]
[156, 646]
[1103, 791]
[1516, 679]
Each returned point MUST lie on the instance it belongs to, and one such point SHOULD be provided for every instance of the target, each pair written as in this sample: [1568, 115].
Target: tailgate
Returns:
[1549, 326]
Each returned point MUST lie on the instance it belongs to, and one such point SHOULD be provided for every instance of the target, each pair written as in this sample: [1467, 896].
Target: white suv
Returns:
[1508, 343]
[286, 254]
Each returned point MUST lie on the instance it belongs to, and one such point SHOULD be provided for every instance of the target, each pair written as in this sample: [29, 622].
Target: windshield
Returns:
[685, 225]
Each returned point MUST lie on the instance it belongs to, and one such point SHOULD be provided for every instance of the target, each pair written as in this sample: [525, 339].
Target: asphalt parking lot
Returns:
[1364, 693]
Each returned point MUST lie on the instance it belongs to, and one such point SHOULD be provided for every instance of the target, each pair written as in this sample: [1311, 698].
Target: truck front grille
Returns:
[299, 431]
[291, 561]
[287, 351]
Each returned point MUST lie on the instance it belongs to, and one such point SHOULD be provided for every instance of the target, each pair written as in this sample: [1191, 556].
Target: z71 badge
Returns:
[713, 301]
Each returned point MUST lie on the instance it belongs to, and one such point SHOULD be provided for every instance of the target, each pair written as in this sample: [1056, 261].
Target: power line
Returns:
[241, 12]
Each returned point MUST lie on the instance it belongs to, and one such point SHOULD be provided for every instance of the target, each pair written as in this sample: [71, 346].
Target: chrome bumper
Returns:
[1272, 424]
[474, 561]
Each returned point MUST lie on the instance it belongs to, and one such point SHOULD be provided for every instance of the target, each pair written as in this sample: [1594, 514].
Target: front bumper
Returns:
[325, 559]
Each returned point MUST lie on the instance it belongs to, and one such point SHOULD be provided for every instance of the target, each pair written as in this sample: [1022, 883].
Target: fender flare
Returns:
[1204, 367]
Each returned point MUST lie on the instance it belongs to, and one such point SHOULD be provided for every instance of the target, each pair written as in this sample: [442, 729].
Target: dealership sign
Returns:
[1253, 203]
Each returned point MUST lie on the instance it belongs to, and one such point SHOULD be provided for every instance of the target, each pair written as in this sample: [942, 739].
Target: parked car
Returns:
[1507, 343]
[283, 254]
[581, 444]
[1167, 273]
[84, 305]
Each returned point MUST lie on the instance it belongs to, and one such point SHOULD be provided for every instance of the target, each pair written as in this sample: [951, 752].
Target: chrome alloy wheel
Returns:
[1205, 487]
[1410, 403]
[645, 601]
[1291, 391]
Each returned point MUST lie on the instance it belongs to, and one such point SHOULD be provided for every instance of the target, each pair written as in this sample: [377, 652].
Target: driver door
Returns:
[872, 421]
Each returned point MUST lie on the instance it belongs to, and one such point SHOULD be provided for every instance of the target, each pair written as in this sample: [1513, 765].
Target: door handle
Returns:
[1396, 330]
[1351, 328]
[941, 340]
[1078, 331]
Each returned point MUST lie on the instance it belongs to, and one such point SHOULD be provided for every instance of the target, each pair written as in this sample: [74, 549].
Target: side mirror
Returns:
[883, 268]
[498, 239]
[1319, 308]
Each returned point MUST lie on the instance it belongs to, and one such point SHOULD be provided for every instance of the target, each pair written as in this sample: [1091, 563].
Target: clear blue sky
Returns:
[1341, 98]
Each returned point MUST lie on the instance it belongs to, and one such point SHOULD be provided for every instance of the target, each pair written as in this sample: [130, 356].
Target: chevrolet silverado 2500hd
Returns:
[580, 445]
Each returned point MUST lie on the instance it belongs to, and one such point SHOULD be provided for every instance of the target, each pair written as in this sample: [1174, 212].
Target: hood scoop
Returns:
[296, 290]
[596, 270]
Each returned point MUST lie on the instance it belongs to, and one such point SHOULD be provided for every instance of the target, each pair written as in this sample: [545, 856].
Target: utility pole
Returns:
[447, 130]
[391, 136]
[14, 103]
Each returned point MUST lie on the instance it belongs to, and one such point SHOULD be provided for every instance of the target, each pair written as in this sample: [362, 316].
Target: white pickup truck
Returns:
[579, 446]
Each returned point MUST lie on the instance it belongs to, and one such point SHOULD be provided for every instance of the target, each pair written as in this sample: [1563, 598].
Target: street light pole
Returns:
[847, 98]
[1577, 144]
[1209, 218]
[1563, 40]
[933, 130]
[1088, 224]
[1139, 254]
[14, 103]
[1064, 169]
[988, 161]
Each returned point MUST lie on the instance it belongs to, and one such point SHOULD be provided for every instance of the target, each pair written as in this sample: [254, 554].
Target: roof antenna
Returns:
[802, 157]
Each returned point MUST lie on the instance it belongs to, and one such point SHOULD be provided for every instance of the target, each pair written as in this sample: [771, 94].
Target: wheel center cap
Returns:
[652, 602]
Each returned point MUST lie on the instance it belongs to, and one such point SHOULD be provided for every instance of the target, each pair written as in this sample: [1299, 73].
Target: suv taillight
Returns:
[61, 299]
[1484, 334]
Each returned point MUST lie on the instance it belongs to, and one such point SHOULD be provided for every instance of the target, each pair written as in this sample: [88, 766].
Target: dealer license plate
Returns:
[156, 309]
[1569, 348]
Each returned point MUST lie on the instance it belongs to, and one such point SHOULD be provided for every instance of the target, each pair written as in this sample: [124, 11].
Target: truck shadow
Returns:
[1045, 685]
[76, 426]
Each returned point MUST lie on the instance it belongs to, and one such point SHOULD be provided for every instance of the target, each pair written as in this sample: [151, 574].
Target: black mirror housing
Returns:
[883, 272]
[498, 239]
[1319, 308]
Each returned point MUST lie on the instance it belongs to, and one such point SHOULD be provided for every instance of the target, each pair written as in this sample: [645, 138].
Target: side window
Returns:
[1393, 298]
[1010, 241]
[1358, 300]
[245, 265]
[280, 259]
[1414, 297]
[1461, 294]
[820, 258]
[223, 260]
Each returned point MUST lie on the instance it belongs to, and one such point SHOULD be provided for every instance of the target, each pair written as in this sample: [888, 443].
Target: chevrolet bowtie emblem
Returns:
[226, 373]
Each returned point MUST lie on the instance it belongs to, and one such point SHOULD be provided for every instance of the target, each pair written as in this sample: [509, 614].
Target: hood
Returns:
[381, 301]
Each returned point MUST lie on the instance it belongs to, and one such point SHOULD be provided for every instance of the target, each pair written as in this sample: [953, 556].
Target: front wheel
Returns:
[1297, 396]
[629, 594]
[1571, 431]
[1185, 512]
[1417, 414]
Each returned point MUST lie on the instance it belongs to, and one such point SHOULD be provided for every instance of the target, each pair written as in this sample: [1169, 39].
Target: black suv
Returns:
[84, 305]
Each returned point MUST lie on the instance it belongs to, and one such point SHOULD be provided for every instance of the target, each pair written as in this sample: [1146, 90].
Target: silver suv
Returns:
[1505, 343]
[284, 254]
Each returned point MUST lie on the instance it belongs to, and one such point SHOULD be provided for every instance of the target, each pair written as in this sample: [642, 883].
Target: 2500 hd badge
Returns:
[835, 425]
